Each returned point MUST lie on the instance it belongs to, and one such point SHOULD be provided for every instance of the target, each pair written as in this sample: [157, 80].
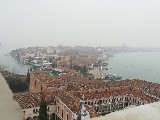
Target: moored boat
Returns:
[112, 77]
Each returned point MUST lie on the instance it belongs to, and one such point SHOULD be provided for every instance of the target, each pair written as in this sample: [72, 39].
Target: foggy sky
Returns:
[79, 22]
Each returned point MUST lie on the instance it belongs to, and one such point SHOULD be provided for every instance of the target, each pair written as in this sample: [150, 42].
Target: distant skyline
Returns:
[26, 23]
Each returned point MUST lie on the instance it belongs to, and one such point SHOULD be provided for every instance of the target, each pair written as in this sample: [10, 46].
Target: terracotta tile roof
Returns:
[73, 102]
[31, 100]
[69, 71]
[77, 85]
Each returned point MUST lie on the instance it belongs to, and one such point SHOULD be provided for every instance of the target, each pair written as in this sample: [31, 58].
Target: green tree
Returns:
[84, 70]
[43, 111]
[27, 82]
[51, 59]
[99, 61]
[30, 59]
[76, 67]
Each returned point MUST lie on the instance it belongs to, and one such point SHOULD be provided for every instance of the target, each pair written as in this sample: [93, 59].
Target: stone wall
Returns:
[9, 109]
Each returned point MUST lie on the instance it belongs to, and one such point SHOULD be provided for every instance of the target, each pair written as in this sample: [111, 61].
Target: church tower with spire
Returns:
[83, 112]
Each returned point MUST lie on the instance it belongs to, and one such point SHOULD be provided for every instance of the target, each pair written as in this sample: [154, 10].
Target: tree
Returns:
[76, 67]
[27, 82]
[43, 111]
[99, 61]
[84, 70]
[16, 85]
[30, 59]
[51, 59]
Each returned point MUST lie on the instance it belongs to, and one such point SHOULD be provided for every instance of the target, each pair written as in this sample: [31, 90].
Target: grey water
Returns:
[136, 65]
[129, 65]
[11, 63]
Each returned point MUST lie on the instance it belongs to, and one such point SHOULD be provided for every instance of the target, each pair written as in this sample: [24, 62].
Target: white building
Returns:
[143, 112]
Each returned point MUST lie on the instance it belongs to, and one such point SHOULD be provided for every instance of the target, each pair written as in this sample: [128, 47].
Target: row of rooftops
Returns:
[31, 100]
[84, 83]
[85, 60]
[92, 89]
[103, 94]
[69, 71]
[73, 102]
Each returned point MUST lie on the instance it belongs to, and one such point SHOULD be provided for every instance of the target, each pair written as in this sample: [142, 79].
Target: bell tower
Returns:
[83, 112]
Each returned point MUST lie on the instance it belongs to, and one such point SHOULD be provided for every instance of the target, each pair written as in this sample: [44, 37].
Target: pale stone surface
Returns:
[96, 72]
[143, 112]
[9, 109]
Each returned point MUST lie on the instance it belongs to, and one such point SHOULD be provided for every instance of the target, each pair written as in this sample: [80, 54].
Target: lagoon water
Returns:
[136, 65]
[11, 63]
[129, 65]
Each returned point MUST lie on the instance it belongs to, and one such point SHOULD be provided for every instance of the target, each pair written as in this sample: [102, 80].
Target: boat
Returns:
[104, 64]
[106, 68]
[111, 76]
[7, 54]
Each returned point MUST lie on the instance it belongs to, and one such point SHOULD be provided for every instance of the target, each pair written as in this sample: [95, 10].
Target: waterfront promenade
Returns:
[9, 109]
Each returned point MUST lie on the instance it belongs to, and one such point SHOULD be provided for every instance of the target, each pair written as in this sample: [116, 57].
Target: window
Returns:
[62, 113]
[24, 112]
[88, 103]
[117, 99]
[91, 103]
[35, 83]
[58, 108]
[67, 117]
[41, 88]
[100, 101]
[34, 111]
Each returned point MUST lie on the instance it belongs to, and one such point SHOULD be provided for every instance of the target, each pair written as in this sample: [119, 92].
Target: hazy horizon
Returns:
[26, 23]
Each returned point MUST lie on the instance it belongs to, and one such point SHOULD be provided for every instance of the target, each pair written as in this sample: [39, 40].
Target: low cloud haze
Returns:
[83, 22]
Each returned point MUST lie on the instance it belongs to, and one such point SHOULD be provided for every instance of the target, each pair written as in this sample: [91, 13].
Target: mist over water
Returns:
[136, 65]
[11, 63]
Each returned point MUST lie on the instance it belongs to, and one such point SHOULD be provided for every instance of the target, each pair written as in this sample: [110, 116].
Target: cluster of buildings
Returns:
[73, 97]
[80, 55]
[47, 58]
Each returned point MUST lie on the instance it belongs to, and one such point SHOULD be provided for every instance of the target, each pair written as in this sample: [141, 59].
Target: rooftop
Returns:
[31, 100]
